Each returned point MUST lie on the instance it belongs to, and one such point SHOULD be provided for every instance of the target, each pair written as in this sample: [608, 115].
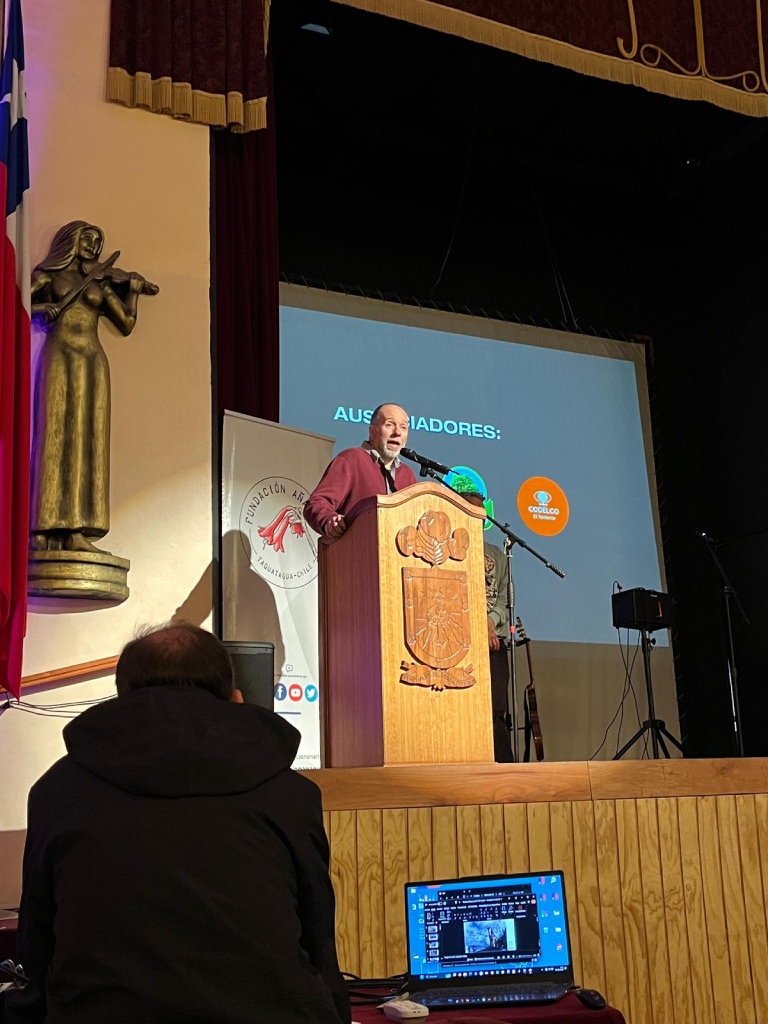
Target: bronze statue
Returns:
[71, 289]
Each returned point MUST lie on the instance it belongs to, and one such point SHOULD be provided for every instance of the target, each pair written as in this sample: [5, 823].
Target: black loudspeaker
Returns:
[642, 609]
[254, 665]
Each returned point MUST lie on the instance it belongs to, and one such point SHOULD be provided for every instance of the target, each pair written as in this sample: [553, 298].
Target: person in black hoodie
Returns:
[176, 868]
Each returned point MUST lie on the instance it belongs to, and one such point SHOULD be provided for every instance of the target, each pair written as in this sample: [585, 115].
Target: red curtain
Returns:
[246, 272]
[198, 60]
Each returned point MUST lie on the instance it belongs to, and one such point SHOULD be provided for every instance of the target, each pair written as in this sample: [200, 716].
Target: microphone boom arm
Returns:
[428, 467]
[434, 469]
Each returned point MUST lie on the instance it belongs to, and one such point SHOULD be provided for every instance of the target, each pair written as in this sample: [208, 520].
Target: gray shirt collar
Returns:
[377, 458]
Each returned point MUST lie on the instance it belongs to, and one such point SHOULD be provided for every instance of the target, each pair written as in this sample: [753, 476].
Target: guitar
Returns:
[531, 711]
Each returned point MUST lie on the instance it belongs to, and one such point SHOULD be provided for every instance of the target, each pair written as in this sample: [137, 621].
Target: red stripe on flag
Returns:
[14, 465]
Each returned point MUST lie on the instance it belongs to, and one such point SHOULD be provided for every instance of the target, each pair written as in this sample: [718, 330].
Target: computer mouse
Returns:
[403, 1009]
[591, 998]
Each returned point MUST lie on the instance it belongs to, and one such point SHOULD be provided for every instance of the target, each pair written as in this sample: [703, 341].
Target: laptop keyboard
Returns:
[490, 995]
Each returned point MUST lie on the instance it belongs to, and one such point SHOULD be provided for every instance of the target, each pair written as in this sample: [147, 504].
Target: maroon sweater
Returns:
[352, 476]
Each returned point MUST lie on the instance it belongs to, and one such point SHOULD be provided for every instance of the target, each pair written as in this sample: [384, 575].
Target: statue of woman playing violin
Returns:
[71, 289]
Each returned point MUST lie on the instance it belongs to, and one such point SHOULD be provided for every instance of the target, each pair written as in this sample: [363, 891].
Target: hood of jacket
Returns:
[171, 741]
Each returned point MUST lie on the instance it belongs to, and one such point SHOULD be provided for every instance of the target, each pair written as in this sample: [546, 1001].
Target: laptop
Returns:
[491, 941]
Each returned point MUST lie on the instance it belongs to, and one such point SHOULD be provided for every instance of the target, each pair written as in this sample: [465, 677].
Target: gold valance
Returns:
[691, 49]
[200, 60]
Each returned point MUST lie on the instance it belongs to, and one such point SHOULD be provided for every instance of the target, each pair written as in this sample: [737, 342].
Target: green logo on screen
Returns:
[463, 479]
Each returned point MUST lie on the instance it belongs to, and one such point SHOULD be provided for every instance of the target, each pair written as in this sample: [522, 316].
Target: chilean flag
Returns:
[15, 369]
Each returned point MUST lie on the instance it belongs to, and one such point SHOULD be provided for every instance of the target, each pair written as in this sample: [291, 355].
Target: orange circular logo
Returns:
[543, 506]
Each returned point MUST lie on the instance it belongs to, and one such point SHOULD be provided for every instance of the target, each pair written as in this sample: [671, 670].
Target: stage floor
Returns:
[666, 866]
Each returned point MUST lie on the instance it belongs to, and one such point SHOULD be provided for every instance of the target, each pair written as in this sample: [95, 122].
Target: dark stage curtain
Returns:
[711, 50]
[246, 271]
[197, 60]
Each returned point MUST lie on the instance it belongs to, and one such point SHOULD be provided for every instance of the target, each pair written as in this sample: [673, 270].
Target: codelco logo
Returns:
[275, 535]
[543, 506]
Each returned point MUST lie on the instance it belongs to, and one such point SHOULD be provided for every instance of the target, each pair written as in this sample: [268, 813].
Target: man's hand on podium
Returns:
[335, 526]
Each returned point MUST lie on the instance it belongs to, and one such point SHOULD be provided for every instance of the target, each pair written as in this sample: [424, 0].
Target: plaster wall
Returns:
[144, 179]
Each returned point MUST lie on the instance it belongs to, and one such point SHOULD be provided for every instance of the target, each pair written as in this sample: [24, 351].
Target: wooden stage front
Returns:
[666, 866]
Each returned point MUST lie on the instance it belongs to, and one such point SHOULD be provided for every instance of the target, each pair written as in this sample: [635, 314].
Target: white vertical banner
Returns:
[269, 559]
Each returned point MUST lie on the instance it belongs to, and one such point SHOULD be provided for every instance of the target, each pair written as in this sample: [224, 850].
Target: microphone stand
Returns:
[511, 647]
[728, 592]
[510, 539]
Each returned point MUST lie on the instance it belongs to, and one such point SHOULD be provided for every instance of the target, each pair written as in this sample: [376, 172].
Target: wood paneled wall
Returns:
[667, 894]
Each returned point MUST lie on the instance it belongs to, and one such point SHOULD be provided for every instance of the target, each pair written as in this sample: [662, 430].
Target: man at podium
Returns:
[357, 473]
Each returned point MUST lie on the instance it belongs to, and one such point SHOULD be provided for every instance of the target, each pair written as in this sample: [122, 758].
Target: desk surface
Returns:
[568, 1011]
[8, 922]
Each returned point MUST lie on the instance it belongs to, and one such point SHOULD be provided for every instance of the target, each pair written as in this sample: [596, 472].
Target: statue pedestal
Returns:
[94, 575]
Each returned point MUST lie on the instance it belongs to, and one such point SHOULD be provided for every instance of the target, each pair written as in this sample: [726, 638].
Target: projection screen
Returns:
[555, 429]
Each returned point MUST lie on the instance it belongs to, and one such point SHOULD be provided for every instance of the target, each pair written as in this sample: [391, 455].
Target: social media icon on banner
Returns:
[281, 691]
[295, 691]
[311, 693]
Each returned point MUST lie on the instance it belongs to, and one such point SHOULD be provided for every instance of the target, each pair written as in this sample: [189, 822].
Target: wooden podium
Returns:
[403, 631]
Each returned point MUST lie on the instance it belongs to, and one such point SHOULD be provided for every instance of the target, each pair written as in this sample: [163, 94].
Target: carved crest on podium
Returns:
[436, 605]
[432, 540]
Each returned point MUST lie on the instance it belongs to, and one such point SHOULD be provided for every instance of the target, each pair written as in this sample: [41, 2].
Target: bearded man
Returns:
[358, 473]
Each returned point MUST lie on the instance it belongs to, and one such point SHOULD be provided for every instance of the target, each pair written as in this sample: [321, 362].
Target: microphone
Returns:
[438, 467]
[705, 537]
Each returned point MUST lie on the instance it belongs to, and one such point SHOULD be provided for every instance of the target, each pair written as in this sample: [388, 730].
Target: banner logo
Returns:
[275, 535]
[543, 506]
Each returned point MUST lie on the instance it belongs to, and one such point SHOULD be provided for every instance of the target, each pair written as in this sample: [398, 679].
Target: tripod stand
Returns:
[653, 725]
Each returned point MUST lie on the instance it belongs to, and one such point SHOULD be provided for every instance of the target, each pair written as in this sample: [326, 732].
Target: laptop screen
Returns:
[483, 928]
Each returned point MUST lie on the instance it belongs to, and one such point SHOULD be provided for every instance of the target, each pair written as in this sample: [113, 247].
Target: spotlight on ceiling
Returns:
[312, 26]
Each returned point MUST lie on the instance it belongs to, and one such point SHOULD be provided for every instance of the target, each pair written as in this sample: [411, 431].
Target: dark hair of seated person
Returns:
[474, 498]
[178, 654]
